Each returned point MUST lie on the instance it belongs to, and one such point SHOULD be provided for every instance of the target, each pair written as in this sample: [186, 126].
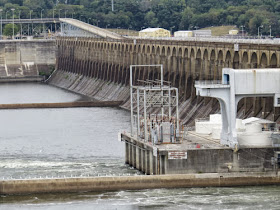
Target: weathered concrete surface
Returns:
[209, 158]
[62, 105]
[108, 62]
[22, 79]
[9, 187]
[19, 58]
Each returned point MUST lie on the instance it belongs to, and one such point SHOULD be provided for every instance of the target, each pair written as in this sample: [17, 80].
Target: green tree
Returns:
[8, 30]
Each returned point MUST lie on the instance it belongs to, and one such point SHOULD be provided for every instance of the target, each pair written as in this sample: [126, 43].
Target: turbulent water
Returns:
[83, 142]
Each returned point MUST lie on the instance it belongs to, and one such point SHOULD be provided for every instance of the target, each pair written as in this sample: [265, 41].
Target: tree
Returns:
[8, 30]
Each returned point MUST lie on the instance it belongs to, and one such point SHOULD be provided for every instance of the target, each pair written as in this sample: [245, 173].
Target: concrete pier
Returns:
[197, 154]
[62, 105]
[96, 184]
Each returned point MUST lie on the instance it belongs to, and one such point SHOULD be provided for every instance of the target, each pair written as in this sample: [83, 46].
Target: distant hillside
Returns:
[176, 14]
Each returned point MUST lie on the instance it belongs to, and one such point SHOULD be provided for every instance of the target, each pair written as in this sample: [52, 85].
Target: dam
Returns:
[104, 76]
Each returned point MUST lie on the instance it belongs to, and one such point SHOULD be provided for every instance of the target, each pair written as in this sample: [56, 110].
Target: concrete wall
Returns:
[20, 58]
[106, 62]
[98, 184]
[198, 160]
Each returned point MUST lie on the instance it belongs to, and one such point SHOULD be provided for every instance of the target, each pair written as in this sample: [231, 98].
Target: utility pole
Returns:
[112, 5]
[13, 22]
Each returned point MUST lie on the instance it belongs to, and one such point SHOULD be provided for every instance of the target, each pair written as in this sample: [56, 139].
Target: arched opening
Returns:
[245, 60]
[273, 61]
[263, 63]
[254, 60]
[228, 60]
[236, 60]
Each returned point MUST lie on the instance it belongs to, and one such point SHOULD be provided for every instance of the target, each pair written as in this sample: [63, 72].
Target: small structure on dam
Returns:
[154, 128]
[151, 151]
[235, 85]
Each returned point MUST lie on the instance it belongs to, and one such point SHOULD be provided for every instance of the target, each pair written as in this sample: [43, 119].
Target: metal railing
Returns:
[209, 82]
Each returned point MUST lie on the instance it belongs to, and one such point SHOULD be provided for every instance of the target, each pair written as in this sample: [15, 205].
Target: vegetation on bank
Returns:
[251, 15]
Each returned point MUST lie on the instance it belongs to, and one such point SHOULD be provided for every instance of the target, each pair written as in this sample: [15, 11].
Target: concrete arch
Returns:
[138, 49]
[186, 52]
[168, 51]
[213, 55]
[148, 49]
[236, 60]
[143, 50]
[163, 51]
[153, 49]
[245, 60]
[158, 50]
[263, 61]
[273, 61]
[228, 59]
[198, 54]
[180, 53]
[119, 47]
[254, 60]
[174, 51]
[205, 55]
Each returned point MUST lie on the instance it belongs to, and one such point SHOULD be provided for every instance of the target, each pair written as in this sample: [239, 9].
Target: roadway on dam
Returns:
[82, 142]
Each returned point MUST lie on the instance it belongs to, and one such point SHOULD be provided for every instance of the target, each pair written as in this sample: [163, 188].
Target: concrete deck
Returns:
[197, 154]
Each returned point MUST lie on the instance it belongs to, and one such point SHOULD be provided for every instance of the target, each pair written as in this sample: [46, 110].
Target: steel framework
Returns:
[153, 94]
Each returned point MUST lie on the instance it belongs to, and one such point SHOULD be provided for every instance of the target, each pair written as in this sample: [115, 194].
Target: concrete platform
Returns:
[101, 184]
[197, 154]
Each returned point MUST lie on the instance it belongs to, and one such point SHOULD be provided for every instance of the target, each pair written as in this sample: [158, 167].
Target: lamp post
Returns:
[88, 20]
[270, 31]
[19, 13]
[53, 13]
[59, 13]
[98, 22]
[73, 14]
[30, 15]
[42, 22]
[171, 28]
[242, 30]
[42, 13]
[6, 14]
[13, 10]
[259, 31]
[65, 13]
[107, 25]
[1, 10]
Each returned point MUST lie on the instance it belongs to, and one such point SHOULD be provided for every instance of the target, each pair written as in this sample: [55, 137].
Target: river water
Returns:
[81, 142]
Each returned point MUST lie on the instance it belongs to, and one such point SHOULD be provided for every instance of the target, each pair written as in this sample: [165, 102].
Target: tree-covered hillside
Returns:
[175, 14]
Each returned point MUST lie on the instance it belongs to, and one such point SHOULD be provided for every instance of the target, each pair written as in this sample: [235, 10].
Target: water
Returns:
[83, 142]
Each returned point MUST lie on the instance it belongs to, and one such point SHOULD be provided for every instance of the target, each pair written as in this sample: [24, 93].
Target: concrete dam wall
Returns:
[100, 69]
[26, 58]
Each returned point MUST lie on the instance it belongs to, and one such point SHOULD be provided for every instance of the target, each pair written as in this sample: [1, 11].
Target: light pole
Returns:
[6, 14]
[270, 31]
[73, 14]
[30, 15]
[88, 20]
[1, 10]
[112, 5]
[98, 22]
[42, 13]
[13, 10]
[59, 13]
[42, 22]
[242, 30]
[65, 13]
[53, 13]
[171, 28]
[259, 31]
[107, 25]
[20, 24]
